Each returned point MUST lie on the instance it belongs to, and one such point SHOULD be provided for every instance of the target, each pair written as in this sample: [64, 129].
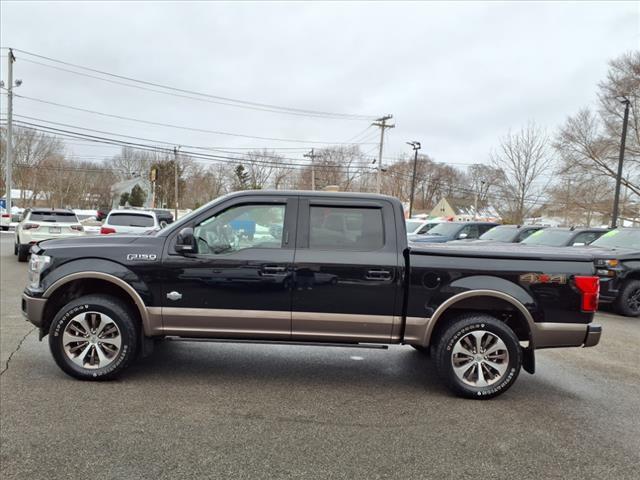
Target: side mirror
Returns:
[185, 242]
[462, 236]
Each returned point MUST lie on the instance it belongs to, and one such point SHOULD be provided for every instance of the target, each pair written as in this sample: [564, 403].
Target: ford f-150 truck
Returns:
[312, 268]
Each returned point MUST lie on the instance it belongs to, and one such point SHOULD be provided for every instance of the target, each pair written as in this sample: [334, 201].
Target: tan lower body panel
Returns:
[264, 324]
[341, 327]
[225, 323]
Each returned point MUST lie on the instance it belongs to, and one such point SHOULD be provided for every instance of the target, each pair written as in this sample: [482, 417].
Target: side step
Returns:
[278, 342]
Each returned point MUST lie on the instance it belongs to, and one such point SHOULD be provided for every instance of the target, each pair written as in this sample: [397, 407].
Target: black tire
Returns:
[460, 328]
[105, 305]
[15, 248]
[23, 252]
[628, 301]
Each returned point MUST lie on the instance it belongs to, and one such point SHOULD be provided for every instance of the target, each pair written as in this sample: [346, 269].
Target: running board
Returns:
[278, 342]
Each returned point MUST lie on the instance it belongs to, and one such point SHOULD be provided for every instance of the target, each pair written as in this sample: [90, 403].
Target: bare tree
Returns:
[524, 159]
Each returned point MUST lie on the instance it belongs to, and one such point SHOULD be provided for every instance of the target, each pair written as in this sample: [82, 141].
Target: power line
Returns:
[167, 125]
[229, 101]
[166, 150]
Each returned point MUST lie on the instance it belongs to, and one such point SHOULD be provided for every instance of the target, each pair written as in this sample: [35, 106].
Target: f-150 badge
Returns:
[149, 257]
[535, 278]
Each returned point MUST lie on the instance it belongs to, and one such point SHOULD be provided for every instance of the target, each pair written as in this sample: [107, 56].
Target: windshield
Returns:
[500, 234]
[130, 220]
[412, 225]
[551, 238]
[619, 239]
[60, 217]
[445, 229]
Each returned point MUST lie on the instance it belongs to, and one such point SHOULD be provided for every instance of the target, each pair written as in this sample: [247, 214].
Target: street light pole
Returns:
[623, 141]
[416, 146]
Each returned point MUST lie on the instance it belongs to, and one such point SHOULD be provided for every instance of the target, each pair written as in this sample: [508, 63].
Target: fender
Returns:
[480, 293]
[486, 282]
[118, 274]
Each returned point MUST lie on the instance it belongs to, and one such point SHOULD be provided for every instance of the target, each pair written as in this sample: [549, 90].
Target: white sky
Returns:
[456, 76]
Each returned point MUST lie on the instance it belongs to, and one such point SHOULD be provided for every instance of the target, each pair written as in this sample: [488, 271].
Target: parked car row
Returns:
[38, 224]
[617, 252]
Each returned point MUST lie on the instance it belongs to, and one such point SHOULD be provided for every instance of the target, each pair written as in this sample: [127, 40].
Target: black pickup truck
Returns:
[309, 268]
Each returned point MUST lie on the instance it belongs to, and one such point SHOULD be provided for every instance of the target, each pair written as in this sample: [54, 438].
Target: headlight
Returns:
[37, 264]
[607, 263]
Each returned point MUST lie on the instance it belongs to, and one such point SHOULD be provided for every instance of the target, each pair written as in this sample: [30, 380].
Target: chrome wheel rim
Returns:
[480, 358]
[91, 340]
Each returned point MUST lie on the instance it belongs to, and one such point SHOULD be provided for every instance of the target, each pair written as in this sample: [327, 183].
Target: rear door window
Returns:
[130, 220]
[346, 228]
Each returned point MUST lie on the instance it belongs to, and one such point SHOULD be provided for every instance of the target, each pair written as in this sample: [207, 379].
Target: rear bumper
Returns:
[33, 309]
[593, 335]
[553, 335]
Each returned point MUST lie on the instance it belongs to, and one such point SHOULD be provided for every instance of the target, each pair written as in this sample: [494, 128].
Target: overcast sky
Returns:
[455, 76]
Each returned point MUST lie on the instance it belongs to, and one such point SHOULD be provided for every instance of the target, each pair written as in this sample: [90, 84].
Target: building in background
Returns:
[460, 212]
[126, 187]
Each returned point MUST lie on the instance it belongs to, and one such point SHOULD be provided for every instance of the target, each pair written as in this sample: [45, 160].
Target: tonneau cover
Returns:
[505, 250]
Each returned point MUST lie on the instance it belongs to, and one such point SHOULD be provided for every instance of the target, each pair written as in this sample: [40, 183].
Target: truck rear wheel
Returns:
[628, 301]
[478, 357]
[93, 338]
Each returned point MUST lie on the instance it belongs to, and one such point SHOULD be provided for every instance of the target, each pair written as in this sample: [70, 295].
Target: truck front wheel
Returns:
[93, 337]
[478, 356]
[628, 301]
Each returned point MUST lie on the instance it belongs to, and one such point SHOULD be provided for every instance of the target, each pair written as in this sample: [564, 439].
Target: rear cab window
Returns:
[130, 220]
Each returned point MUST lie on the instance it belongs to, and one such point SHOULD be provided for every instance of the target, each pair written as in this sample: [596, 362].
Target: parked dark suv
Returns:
[448, 231]
[618, 266]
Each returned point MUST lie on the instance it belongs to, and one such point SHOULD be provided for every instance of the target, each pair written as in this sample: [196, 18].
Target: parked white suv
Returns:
[43, 224]
[5, 219]
[130, 221]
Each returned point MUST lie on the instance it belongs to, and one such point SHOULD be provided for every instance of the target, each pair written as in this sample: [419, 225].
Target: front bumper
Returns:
[33, 309]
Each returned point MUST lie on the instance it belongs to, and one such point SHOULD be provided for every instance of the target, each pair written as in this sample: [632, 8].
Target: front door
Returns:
[238, 283]
[347, 271]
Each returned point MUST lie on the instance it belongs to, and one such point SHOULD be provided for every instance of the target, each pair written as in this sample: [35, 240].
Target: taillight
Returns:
[107, 230]
[30, 226]
[6, 215]
[77, 228]
[590, 289]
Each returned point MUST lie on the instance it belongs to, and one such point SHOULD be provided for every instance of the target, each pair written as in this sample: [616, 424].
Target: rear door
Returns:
[346, 271]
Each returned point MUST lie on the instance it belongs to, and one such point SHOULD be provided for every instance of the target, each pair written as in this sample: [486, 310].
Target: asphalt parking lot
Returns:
[197, 410]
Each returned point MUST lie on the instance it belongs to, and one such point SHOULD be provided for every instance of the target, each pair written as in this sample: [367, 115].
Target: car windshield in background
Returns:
[54, 217]
[619, 239]
[130, 220]
[551, 238]
[412, 225]
[444, 229]
[500, 234]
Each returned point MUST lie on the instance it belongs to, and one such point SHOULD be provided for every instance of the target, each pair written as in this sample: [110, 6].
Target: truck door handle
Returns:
[378, 275]
[273, 270]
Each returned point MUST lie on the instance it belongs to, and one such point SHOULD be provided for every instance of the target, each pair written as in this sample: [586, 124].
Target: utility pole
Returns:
[313, 157]
[623, 141]
[9, 154]
[382, 123]
[175, 185]
[416, 146]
